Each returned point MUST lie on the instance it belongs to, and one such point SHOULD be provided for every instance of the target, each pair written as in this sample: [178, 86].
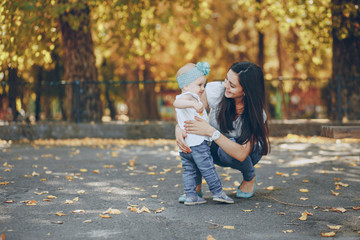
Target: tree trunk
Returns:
[38, 92]
[133, 97]
[79, 64]
[13, 91]
[150, 95]
[280, 72]
[346, 62]
[110, 102]
[261, 54]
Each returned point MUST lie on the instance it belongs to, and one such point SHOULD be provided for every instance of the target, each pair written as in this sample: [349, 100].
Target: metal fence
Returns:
[287, 97]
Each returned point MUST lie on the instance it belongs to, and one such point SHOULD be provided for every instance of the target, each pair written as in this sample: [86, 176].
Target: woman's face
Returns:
[233, 89]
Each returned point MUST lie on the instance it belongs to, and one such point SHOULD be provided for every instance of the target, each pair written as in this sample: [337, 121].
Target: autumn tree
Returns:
[79, 61]
[24, 43]
[136, 37]
[346, 59]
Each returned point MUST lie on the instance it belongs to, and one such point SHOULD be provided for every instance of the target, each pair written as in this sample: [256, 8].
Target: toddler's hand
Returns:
[199, 107]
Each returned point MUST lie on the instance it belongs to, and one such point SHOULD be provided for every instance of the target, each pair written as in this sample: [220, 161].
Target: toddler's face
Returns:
[197, 86]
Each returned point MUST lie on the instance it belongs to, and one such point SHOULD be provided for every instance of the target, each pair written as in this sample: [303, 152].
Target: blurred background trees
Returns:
[90, 60]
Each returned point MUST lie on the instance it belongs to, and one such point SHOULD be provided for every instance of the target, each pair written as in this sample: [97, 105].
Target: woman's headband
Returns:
[193, 74]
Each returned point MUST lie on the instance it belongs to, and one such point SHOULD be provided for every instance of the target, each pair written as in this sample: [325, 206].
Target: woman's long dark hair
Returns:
[253, 128]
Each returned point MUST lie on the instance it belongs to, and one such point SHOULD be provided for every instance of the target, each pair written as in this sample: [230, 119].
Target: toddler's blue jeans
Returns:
[246, 167]
[196, 164]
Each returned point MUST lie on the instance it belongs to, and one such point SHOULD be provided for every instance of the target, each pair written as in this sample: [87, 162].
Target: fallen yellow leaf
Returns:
[328, 234]
[109, 166]
[76, 199]
[229, 227]
[84, 170]
[304, 190]
[96, 171]
[304, 215]
[61, 214]
[334, 193]
[282, 174]
[288, 231]
[270, 188]
[31, 203]
[250, 210]
[112, 211]
[227, 178]
[51, 197]
[41, 193]
[304, 198]
[210, 238]
[339, 209]
[81, 191]
[69, 202]
[4, 183]
[133, 209]
[160, 210]
[236, 183]
[78, 211]
[132, 162]
[334, 227]
[145, 209]
[342, 184]
[105, 216]
[356, 208]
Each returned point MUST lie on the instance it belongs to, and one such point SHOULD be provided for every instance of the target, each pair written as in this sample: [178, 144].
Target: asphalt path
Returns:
[118, 189]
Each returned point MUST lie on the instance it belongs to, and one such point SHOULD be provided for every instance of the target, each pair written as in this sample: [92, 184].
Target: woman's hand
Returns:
[199, 127]
[180, 135]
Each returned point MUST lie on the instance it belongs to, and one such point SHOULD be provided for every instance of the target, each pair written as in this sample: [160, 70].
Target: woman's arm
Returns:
[235, 150]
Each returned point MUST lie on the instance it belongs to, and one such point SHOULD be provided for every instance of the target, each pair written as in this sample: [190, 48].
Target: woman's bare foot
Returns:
[248, 186]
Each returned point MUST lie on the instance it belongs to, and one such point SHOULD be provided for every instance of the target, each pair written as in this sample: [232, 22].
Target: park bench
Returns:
[340, 131]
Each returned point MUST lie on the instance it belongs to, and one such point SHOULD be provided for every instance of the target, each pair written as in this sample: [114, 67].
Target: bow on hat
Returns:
[204, 67]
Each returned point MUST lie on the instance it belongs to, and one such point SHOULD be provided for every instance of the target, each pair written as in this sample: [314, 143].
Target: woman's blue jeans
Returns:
[246, 167]
[196, 164]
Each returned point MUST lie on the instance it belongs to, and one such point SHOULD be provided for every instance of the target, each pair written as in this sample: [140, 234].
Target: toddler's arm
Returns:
[188, 101]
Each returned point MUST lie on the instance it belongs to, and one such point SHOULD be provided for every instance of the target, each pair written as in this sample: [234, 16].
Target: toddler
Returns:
[192, 79]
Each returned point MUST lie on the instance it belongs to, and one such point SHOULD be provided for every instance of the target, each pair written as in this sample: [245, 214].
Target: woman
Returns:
[237, 123]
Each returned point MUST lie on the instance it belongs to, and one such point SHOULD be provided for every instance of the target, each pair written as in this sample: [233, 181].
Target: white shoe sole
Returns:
[193, 203]
[223, 200]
